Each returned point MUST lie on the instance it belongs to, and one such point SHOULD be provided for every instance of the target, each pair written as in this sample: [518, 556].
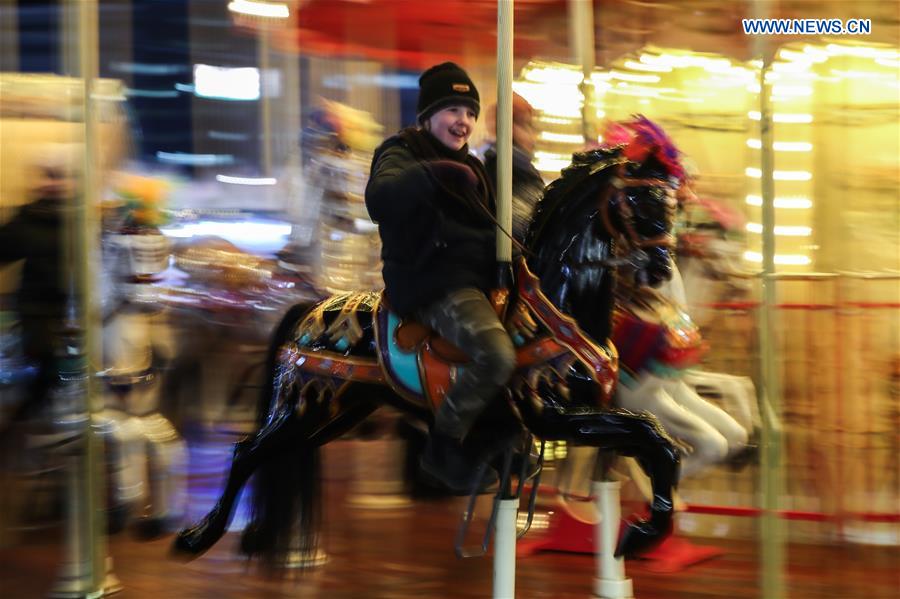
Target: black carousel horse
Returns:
[332, 364]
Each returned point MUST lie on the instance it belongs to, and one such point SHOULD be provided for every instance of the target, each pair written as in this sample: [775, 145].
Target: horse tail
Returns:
[286, 491]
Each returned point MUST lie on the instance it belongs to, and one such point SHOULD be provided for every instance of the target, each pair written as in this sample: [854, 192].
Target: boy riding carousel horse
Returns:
[332, 363]
[433, 203]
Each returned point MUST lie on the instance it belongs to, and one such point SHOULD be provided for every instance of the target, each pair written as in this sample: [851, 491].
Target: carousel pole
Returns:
[504, 129]
[771, 471]
[581, 39]
[85, 570]
[610, 582]
[9, 36]
[504, 579]
[265, 101]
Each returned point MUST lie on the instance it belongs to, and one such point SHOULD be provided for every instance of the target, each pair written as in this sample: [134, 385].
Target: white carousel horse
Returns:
[147, 456]
[710, 433]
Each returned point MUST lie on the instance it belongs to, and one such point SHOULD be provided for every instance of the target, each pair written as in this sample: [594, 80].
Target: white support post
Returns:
[504, 129]
[505, 549]
[610, 582]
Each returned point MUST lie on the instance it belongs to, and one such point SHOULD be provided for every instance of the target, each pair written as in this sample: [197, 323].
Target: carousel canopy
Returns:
[413, 34]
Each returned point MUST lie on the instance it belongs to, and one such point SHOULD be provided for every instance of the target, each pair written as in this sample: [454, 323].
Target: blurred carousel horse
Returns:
[333, 240]
[709, 273]
[658, 342]
[231, 300]
[332, 364]
[709, 256]
[146, 455]
[661, 345]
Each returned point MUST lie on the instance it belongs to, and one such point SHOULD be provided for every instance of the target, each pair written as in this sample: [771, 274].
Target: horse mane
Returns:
[583, 177]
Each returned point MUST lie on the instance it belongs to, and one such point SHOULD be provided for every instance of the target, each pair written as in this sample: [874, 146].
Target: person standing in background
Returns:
[527, 184]
[36, 234]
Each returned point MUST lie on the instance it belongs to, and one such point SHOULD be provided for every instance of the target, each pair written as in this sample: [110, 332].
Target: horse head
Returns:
[612, 208]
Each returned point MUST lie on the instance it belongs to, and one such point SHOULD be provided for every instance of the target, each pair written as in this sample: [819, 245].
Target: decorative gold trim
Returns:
[346, 324]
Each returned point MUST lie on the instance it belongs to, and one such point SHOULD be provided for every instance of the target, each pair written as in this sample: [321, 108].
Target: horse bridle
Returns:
[634, 243]
[618, 184]
[636, 255]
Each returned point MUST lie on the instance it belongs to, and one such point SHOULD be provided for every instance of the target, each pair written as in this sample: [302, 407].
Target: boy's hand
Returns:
[452, 173]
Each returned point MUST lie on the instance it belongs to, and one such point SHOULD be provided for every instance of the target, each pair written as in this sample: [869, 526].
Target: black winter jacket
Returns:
[437, 236]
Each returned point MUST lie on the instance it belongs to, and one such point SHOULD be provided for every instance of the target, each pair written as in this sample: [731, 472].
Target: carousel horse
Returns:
[709, 273]
[660, 343]
[657, 343]
[333, 239]
[659, 348]
[332, 364]
[146, 454]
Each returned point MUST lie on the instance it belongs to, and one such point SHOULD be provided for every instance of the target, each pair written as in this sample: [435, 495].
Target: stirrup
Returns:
[503, 492]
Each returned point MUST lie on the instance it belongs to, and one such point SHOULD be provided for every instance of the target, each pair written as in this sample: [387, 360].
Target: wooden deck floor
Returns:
[408, 552]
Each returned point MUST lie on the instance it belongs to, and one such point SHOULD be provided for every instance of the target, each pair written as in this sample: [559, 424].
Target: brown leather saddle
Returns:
[411, 335]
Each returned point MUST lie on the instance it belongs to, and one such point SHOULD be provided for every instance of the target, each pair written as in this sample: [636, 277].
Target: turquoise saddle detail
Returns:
[402, 366]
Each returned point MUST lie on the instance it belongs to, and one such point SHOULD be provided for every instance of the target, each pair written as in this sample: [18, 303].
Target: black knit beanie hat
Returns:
[443, 85]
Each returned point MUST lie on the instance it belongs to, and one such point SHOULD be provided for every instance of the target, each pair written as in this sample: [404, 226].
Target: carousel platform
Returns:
[405, 549]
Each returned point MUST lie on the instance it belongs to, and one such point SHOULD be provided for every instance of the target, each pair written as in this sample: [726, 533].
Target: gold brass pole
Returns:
[581, 43]
[84, 568]
[771, 467]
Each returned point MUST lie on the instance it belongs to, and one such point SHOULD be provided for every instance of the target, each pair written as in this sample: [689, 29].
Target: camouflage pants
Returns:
[467, 319]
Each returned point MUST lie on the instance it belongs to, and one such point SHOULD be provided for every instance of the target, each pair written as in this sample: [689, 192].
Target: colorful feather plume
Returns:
[641, 138]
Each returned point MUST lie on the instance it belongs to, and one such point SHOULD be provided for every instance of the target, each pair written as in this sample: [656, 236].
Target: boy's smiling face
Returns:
[452, 125]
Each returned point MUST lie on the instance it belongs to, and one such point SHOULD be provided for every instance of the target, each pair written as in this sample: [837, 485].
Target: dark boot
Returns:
[447, 465]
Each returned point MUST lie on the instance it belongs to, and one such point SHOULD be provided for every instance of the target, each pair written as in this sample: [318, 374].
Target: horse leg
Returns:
[343, 423]
[638, 435]
[708, 446]
[248, 455]
[735, 435]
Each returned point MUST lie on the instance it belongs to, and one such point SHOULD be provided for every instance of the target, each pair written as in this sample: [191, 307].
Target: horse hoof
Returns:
[640, 537]
[194, 542]
[185, 547]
